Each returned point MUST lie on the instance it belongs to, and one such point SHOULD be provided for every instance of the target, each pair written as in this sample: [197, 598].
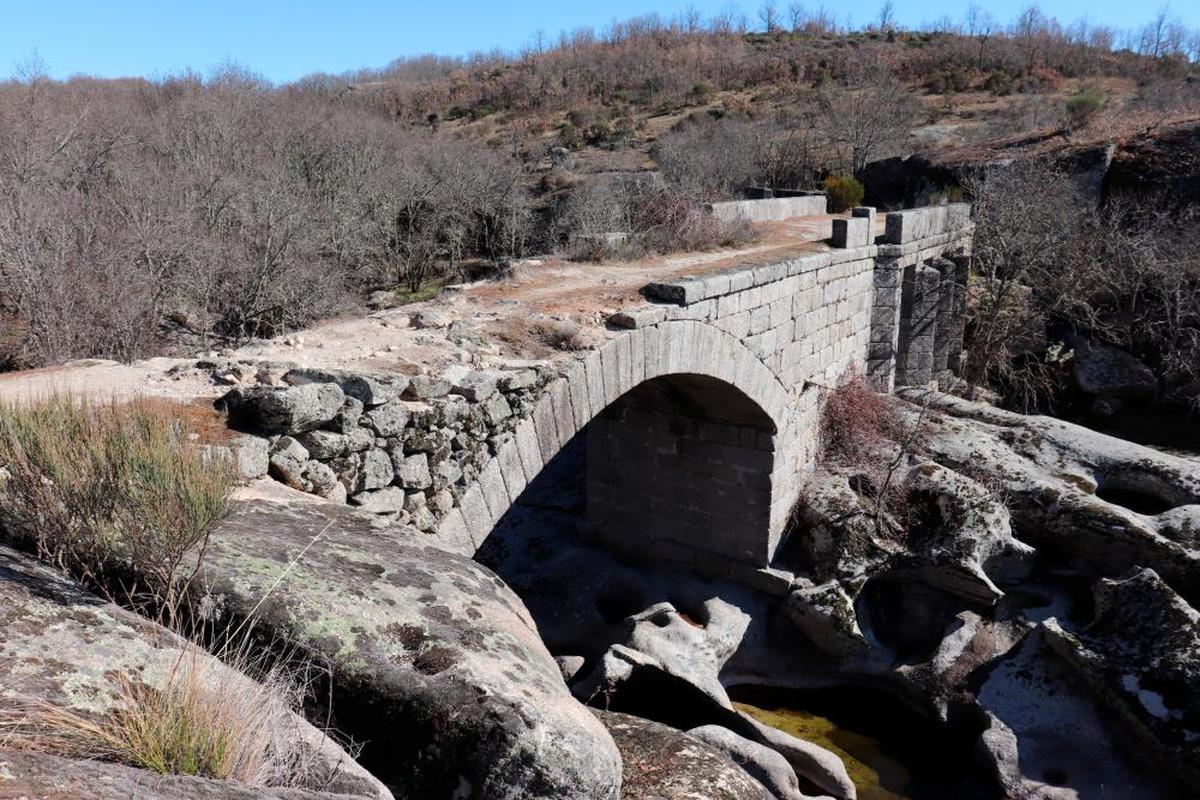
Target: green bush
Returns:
[118, 495]
[843, 191]
[1083, 106]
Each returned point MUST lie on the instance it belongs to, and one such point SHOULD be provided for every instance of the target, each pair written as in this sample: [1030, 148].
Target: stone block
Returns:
[508, 456]
[476, 516]
[546, 429]
[453, 535]
[633, 318]
[495, 492]
[850, 233]
[528, 447]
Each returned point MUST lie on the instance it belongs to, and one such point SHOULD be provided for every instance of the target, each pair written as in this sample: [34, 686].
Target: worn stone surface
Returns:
[64, 647]
[1056, 475]
[428, 646]
[811, 762]
[41, 776]
[661, 763]
[765, 765]
[1141, 656]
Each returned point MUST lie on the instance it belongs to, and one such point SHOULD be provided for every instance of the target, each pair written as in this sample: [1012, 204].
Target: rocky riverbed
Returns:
[1025, 628]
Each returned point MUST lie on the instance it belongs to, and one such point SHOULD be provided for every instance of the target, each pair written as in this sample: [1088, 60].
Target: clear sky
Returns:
[285, 39]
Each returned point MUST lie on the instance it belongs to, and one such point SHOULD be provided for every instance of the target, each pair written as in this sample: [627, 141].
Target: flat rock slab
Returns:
[661, 763]
[433, 658]
[63, 647]
[40, 776]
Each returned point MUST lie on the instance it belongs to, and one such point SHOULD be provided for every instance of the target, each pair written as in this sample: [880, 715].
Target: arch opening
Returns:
[680, 467]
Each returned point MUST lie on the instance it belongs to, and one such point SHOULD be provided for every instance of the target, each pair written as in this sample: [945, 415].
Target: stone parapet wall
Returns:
[904, 227]
[772, 209]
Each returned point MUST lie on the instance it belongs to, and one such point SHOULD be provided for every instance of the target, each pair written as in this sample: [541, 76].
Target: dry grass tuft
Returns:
[202, 720]
[116, 495]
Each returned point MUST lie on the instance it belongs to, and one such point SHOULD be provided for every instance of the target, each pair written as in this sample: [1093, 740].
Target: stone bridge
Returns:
[700, 407]
[702, 419]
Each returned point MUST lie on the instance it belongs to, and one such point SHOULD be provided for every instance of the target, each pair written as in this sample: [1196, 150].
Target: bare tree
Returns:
[981, 26]
[796, 16]
[887, 17]
[768, 14]
[867, 117]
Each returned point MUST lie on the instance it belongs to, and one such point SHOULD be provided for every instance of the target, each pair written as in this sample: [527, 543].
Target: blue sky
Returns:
[285, 40]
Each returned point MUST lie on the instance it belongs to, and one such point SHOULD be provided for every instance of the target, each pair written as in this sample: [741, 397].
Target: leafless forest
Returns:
[138, 214]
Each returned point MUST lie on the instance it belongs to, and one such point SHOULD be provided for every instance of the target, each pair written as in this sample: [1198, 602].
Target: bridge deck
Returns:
[567, 294]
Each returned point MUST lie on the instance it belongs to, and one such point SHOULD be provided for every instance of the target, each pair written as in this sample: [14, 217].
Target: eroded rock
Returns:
[661, 763]
[429, 651]
[63, 647]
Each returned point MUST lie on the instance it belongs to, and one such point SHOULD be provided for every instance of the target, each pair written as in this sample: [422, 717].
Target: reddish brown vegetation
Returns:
[858, 425]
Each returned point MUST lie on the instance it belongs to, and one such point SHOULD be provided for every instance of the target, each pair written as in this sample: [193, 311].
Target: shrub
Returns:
[844, 192]
[1083, 106]
[116, 495]
[857, 421]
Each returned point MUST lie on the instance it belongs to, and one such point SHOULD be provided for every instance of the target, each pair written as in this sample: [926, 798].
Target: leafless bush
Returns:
[711, 159]
[866, 117]
[1046, 264]
[656, 218]
[244, 209]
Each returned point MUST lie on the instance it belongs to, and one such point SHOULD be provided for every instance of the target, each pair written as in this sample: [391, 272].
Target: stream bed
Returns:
[890, 751]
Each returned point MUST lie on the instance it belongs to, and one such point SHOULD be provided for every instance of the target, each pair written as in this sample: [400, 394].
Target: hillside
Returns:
[186, 212]
[611, 101]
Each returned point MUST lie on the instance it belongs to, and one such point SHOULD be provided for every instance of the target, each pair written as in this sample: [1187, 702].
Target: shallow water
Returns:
[890, 751]
[876, 775]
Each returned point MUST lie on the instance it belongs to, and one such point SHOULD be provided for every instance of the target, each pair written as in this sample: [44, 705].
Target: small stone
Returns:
[388, 500]
[446, 473]
[388, 419]
[323, 445]
[419, 440]
[475, 386]
[496, 409]
[288, 459]
[414, 500]
[412, 472]
[360, 439]
[321, 478]
[423, 387]
[347, 417]
[514, 381]
[423, 519]
[373, 391]
[375, 471]
[252, 455]
[431, 318]
[442, 501]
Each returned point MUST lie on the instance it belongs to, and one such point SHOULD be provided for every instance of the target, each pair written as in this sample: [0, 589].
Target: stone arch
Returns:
[594, 381]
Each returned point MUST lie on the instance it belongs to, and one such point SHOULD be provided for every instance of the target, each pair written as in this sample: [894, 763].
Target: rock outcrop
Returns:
[1141, 656]
[766, 765]
[42, 776]
[661, 763]
[1056, 477]
[64, 648]
[433, 659]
